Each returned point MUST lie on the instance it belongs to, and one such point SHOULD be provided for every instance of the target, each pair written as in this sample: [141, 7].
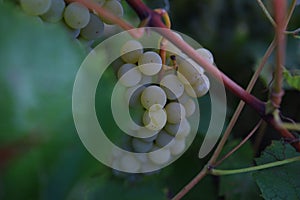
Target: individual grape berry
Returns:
[175, 112]
[160, 156]
[206, 54]
[35, 7]
[153, 95]
[141, 146]
[173, 87]
[189, 71]
[94, 29]
[177, 147]
[131, 51]
[146, 134]
[180, 130]
[163, 138]
[155, 118]
[114, 7]
[200, 88]
[150, 63]
[76, 15]
[190, 107]
[129, 75]
[55, 12]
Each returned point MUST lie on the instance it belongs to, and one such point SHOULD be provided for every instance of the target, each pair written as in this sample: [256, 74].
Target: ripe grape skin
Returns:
[180, 130]
[153, 95]
[35, 7]
[141, 146]
[129, 75]
[160, 156]
[131, 51]
[114, 7]
[163, 138]
[76, 15]
[94, 29]
[175, 112]
[190, 107]
[150, 63]
[174, 88]
[55, 12]
[155, 118]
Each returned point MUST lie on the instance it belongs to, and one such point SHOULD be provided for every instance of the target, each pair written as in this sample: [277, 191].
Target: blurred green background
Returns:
[41, 156]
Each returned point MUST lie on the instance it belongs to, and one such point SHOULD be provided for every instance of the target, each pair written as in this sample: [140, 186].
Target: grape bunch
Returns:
[82, 23]
[163, 99]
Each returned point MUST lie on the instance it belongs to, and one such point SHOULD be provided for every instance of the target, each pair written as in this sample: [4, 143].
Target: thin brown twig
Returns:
[266, 12]
[239, 145]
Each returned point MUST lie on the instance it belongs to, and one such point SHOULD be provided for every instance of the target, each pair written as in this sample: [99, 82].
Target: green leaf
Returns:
[279, 182]
[239, 186]
[38, 66]
[292, 80]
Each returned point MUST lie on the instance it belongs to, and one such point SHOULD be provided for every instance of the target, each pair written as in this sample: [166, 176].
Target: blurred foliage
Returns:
[41, 156]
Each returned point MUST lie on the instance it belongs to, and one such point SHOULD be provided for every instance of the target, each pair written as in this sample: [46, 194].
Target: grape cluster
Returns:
[164, 97]
[81, 22]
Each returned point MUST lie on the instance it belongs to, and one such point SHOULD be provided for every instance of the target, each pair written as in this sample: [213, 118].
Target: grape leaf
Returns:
[281, 182]
[292, 80]
[239, 186]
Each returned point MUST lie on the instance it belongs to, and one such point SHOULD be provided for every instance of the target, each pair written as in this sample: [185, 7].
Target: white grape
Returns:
[180, 130]
[190, 107]
[129, 75]
[35, 7]
[76, 15]
[200, 88]
[160, 156]
[155, 118]
[55, 12]
[184, 98]
[163, 138]
[131, 51]
[141, 146]
[206, 54]
[174, 88]
[189, 71]
[114, 7]
[175, 112]
[153, 95]
[146, 80]
[177, 147]
[94, 29]
[129, 163]
[150, 63]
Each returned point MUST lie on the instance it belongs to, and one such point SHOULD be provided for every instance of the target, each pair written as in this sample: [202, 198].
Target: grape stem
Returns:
[220, 172]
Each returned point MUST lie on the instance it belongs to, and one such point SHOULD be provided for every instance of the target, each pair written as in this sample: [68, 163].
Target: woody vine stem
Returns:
[268, 111]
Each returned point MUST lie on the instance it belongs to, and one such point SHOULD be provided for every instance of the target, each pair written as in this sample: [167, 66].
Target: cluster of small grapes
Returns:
[82, 22]
[165, 96]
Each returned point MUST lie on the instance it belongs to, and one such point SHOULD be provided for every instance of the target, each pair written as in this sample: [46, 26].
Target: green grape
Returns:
[206, 54]
[150, 63]
[189, 71]
[55, 12]
[153, 95]
[129, 75]
[114, 7]
[180, 130]
[141, 146]
[199, 88]
[76, 15]
[35, 7]
[175, 112]
[146, 134]
[174, 88]
[131, 51]
[163, 138]
[94, 29]
[160, 156]
[178, 146]
[155, 118]
[190, 107]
